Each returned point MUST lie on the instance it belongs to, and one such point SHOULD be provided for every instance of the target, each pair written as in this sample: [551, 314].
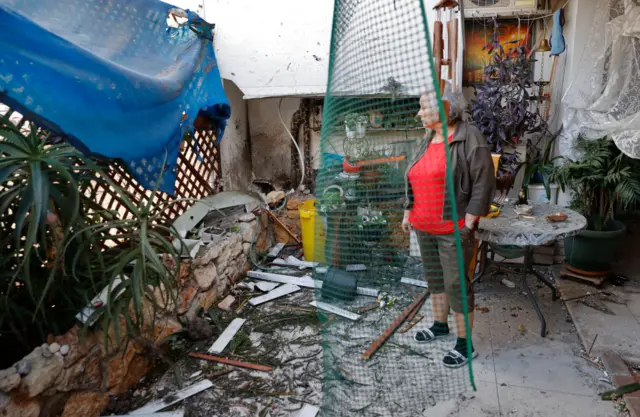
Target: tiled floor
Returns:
[518, 373]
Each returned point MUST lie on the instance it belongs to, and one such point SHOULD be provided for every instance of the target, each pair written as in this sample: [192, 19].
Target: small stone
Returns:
[64, 349]
[227, 303]
[508, 283]
[23, 367]
[54, 347]
[247, 217]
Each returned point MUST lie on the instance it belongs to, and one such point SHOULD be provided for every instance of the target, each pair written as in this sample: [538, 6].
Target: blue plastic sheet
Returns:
[112, 77]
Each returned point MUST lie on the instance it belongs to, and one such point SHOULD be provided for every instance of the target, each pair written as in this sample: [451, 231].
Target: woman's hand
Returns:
[406, 226]
[471, 221]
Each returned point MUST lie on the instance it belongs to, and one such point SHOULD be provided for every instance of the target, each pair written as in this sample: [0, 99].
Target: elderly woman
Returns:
[429, 212]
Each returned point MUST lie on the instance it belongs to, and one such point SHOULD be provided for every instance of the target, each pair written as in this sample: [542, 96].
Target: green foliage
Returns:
[39, 206]
[600, 179]
[56, 251]
[133, 271]
[540, 164]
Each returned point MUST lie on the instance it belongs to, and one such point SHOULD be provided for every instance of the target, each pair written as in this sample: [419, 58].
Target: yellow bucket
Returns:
[313, 233]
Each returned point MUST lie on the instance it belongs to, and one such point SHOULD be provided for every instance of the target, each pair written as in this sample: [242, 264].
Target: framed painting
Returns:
[477, 34]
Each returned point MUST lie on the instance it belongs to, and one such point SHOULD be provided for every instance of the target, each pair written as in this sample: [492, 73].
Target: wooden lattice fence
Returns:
[195, 178]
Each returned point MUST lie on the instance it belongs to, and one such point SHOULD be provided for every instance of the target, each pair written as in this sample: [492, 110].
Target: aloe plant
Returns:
[55, 256]
[39, 206]
[133, 271]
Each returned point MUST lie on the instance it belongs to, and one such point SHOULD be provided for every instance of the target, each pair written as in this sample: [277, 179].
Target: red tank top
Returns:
[427, 178]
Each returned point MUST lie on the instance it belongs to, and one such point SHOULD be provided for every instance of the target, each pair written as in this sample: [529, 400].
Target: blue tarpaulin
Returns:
[112, 77]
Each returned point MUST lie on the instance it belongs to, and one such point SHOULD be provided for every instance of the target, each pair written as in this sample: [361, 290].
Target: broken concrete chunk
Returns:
[227, 303]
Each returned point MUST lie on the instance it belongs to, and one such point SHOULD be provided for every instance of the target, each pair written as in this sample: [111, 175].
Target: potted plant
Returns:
[502, 108]
[603, 179]
[537, 176]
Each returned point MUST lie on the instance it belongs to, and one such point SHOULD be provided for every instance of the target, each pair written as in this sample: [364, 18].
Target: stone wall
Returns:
[73, 375]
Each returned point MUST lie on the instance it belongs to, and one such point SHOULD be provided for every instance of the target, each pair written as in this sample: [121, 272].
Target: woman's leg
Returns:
[461, 328]
[457, 297]
[433, 275]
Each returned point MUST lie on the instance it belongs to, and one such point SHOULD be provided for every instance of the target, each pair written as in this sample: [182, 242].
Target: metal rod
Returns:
[592, 343]
[528, 257]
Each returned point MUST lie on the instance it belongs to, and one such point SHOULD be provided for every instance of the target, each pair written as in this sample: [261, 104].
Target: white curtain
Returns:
[604, 98]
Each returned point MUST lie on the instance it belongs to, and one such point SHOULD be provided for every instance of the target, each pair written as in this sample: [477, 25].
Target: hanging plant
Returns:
[503, 108]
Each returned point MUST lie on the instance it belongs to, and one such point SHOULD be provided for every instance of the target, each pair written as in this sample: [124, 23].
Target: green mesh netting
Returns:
[380, 64]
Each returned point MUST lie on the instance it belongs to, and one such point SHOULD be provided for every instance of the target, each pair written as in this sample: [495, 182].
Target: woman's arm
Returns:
[483, 181]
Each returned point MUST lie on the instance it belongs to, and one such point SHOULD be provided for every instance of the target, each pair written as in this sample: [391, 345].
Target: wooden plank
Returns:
[286, 229]
[411, 323]
[308, 411]
[305, 281]
[335, 310]
[173, 398]
[420, 303]
[226, 336]
[369, 307]
[231, 362]
[273, 294]
[392, 327]
[414, 282]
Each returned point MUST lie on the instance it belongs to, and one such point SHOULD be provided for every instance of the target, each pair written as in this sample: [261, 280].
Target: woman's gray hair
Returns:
[457, 102]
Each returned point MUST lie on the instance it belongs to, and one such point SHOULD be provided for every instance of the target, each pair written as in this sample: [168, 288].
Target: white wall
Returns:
[235, 148]
[270, 142]
[273, 48]
[279, 47]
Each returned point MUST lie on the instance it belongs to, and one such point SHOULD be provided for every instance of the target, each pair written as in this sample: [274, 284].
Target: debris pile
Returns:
[282, 347]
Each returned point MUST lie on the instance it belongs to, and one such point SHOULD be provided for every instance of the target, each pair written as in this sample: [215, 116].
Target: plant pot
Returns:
[537, 193]
[593, 251]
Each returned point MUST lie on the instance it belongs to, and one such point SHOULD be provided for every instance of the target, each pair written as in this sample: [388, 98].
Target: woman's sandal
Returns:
[455, 359]
[427, 336]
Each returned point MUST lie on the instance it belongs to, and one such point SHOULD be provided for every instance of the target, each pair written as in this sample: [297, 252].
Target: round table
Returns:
[533, 230]
[510, 230]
